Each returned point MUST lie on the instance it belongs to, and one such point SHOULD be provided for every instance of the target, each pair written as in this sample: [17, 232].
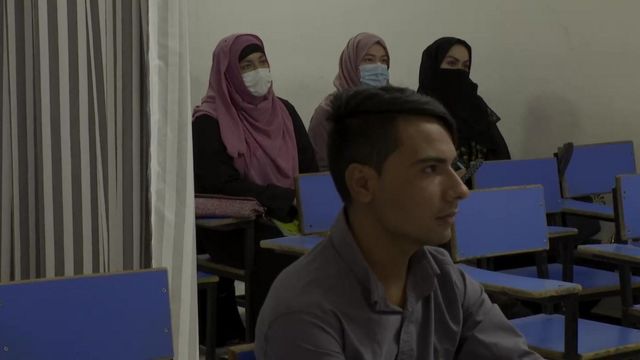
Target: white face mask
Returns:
[258, 81]
[374, 74]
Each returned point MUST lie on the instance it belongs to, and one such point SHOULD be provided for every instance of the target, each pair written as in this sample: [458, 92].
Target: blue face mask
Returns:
[374, 75]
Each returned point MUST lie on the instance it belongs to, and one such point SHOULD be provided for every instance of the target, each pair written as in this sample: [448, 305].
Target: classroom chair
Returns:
[496, 222]
[596, 283]
[626, 252]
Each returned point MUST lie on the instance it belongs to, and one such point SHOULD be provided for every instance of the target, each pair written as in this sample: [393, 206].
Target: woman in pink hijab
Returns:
[246, 142]
[363, 62]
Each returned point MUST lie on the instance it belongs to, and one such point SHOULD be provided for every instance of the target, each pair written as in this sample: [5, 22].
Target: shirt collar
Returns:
[420, 278]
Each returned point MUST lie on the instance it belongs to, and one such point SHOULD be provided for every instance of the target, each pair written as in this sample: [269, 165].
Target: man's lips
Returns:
[448, 215]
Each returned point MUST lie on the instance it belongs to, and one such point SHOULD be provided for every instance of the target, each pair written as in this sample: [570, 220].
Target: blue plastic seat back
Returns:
[593, 168]
[500, 221]
[105, 316]
[628, 203]
[502, 173]
[318, 201]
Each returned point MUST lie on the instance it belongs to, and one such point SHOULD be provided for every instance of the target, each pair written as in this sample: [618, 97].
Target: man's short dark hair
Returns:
[364, 129]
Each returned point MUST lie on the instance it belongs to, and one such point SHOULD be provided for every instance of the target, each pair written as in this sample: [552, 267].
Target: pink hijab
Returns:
[348, 77]
[256, 130]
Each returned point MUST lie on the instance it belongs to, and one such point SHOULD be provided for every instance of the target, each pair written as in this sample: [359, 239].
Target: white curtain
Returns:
[171, 166]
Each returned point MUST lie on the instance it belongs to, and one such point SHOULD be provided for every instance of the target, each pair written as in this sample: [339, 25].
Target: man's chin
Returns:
[437, 241]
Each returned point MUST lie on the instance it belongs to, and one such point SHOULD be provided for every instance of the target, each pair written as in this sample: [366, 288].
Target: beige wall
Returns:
[555, 71]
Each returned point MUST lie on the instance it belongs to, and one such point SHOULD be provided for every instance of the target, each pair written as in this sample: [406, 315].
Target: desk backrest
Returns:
[500, 221]
[593, 168]
[318, 202]
[628, 206]
[502, 173]
[104, 316]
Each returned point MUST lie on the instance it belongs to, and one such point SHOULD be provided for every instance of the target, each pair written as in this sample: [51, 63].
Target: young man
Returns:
[379, 287]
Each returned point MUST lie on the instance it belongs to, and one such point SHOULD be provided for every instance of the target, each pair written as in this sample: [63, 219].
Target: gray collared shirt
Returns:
[329, 305]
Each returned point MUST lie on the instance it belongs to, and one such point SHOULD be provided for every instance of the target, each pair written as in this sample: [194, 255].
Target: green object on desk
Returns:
[291, 228]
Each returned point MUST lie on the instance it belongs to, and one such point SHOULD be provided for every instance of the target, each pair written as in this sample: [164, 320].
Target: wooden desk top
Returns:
[293, 245]
[214, 223]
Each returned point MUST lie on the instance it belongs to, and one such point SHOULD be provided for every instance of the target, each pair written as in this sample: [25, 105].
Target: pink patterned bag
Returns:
[209, 205]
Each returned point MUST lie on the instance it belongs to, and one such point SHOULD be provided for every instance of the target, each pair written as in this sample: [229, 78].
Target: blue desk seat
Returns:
[593, 281]
[102, 316]
[545, 335]
[616, 253]
[518, 286]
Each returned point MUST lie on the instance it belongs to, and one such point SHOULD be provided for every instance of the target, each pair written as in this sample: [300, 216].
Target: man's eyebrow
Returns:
[430, 160]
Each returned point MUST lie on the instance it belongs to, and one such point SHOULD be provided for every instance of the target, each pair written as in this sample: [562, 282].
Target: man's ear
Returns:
[361, 181]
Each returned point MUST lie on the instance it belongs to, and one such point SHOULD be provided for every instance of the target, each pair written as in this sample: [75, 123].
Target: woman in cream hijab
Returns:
[363, 62]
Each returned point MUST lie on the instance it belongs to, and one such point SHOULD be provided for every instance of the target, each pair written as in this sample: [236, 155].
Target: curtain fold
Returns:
[171, 166]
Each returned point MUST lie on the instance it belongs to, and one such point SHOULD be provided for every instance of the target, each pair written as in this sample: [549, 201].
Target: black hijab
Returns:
[459, 95]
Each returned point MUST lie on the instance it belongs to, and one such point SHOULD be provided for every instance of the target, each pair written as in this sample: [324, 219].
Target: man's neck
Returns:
[387, 257]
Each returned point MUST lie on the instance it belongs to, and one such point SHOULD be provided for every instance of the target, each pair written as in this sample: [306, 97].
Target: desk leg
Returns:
[249, 262]
[568, 261]
[626, 294]
[542, 265]
[212, 293]
[571, 327]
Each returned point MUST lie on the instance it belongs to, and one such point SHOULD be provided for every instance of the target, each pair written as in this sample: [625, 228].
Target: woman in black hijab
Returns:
[444, 75]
